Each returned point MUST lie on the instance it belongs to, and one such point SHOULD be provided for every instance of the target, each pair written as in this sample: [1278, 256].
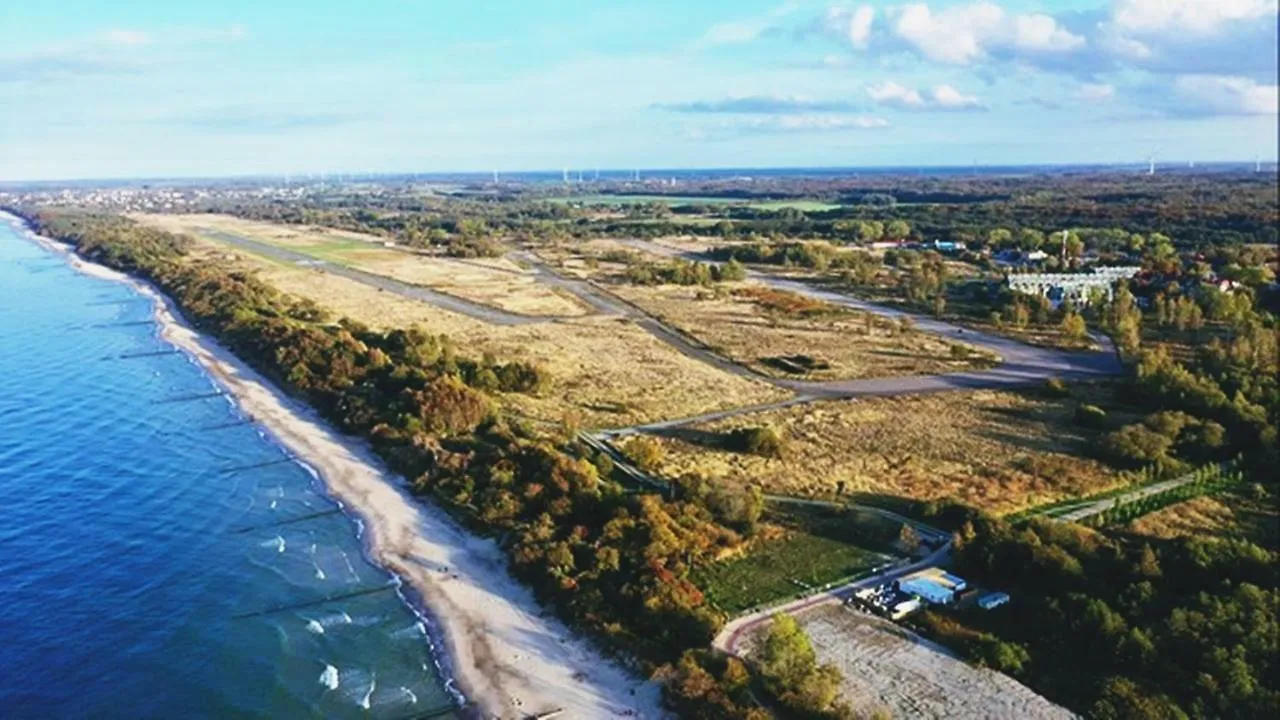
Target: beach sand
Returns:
[508, 657]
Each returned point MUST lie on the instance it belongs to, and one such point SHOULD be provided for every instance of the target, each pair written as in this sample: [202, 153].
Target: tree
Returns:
[1074, 328]
[908, 539]
[787, 657]
[897, 230]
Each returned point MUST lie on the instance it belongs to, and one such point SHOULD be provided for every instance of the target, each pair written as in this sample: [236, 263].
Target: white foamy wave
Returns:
[368, 696]
[411, 631]
[277, 542]
[413, 699]
[315, 627]
[319, 573]
[329, 678]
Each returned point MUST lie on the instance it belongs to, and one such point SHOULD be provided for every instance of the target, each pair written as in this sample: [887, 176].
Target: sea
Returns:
[160, 555]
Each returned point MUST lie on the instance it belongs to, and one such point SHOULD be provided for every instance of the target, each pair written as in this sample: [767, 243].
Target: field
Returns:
[497, 282]
[605, 372]
[888, 668]
[685, 200]
[1230, 515]
[672, 200]
[796, 550]
[998, 450]
[830, 342]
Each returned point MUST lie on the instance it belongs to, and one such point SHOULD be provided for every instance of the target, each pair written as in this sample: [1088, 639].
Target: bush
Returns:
[645, 452]
[1056, 388]
[1137, 445]
[1091, 416]
[762, 441]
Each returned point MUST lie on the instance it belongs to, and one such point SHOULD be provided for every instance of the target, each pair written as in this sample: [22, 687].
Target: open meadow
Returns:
[997, 450]
[496, 282]
[605, 372]
[781, 334]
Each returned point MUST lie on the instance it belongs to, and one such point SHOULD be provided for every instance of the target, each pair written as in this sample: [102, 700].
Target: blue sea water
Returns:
[145, 538]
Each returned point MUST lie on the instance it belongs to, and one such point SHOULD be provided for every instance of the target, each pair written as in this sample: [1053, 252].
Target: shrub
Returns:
[1056, 388]
[762, 441]
[646, 452]
[1091, 416]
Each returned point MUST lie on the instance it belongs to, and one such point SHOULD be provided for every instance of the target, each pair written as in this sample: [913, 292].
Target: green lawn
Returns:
[780, 569]
[801, 205]
[821, 546]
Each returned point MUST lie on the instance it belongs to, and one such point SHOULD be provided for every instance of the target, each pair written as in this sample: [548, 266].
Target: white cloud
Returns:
[940, 98]
[892, 94]
[946, 97]
[953, 35]
[1042, 33]
[1198, 16]
[860, 25]
[1225, 95]
[736, 32]
[811, 123]
[1096, 92]
[127, 38]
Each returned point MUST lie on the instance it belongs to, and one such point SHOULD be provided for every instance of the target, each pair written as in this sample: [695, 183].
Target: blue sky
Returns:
[160, 88]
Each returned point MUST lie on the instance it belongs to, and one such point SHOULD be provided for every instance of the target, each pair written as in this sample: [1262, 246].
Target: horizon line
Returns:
[1179, 164]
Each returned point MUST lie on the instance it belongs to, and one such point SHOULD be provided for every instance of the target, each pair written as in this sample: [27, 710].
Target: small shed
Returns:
[993, 600]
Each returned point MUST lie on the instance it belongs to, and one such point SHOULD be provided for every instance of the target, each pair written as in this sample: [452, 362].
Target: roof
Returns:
[927, 589]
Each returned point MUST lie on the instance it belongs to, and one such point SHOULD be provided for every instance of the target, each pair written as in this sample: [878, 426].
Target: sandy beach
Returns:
[508, 657]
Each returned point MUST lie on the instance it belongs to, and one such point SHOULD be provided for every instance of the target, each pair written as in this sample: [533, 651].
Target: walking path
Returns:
[1102, 506]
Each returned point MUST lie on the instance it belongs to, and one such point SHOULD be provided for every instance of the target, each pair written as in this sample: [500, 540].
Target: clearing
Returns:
[605, 372]
[496, 282]
[996, 450]
[781, 334]
[886, 667]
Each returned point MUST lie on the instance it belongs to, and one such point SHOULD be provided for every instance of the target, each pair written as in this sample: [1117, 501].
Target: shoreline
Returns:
[501, 651]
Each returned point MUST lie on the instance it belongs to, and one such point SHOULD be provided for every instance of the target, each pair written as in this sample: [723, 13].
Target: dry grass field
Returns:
[997, 450]
[845, 343]
[1231, 515]
[497, 282]
[605, 372]
[889, 669]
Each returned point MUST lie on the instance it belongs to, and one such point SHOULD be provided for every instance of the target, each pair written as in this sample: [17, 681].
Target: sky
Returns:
[156, 88]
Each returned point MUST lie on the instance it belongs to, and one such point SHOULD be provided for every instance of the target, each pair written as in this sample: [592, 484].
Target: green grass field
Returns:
[801, 205]
[821, 546]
